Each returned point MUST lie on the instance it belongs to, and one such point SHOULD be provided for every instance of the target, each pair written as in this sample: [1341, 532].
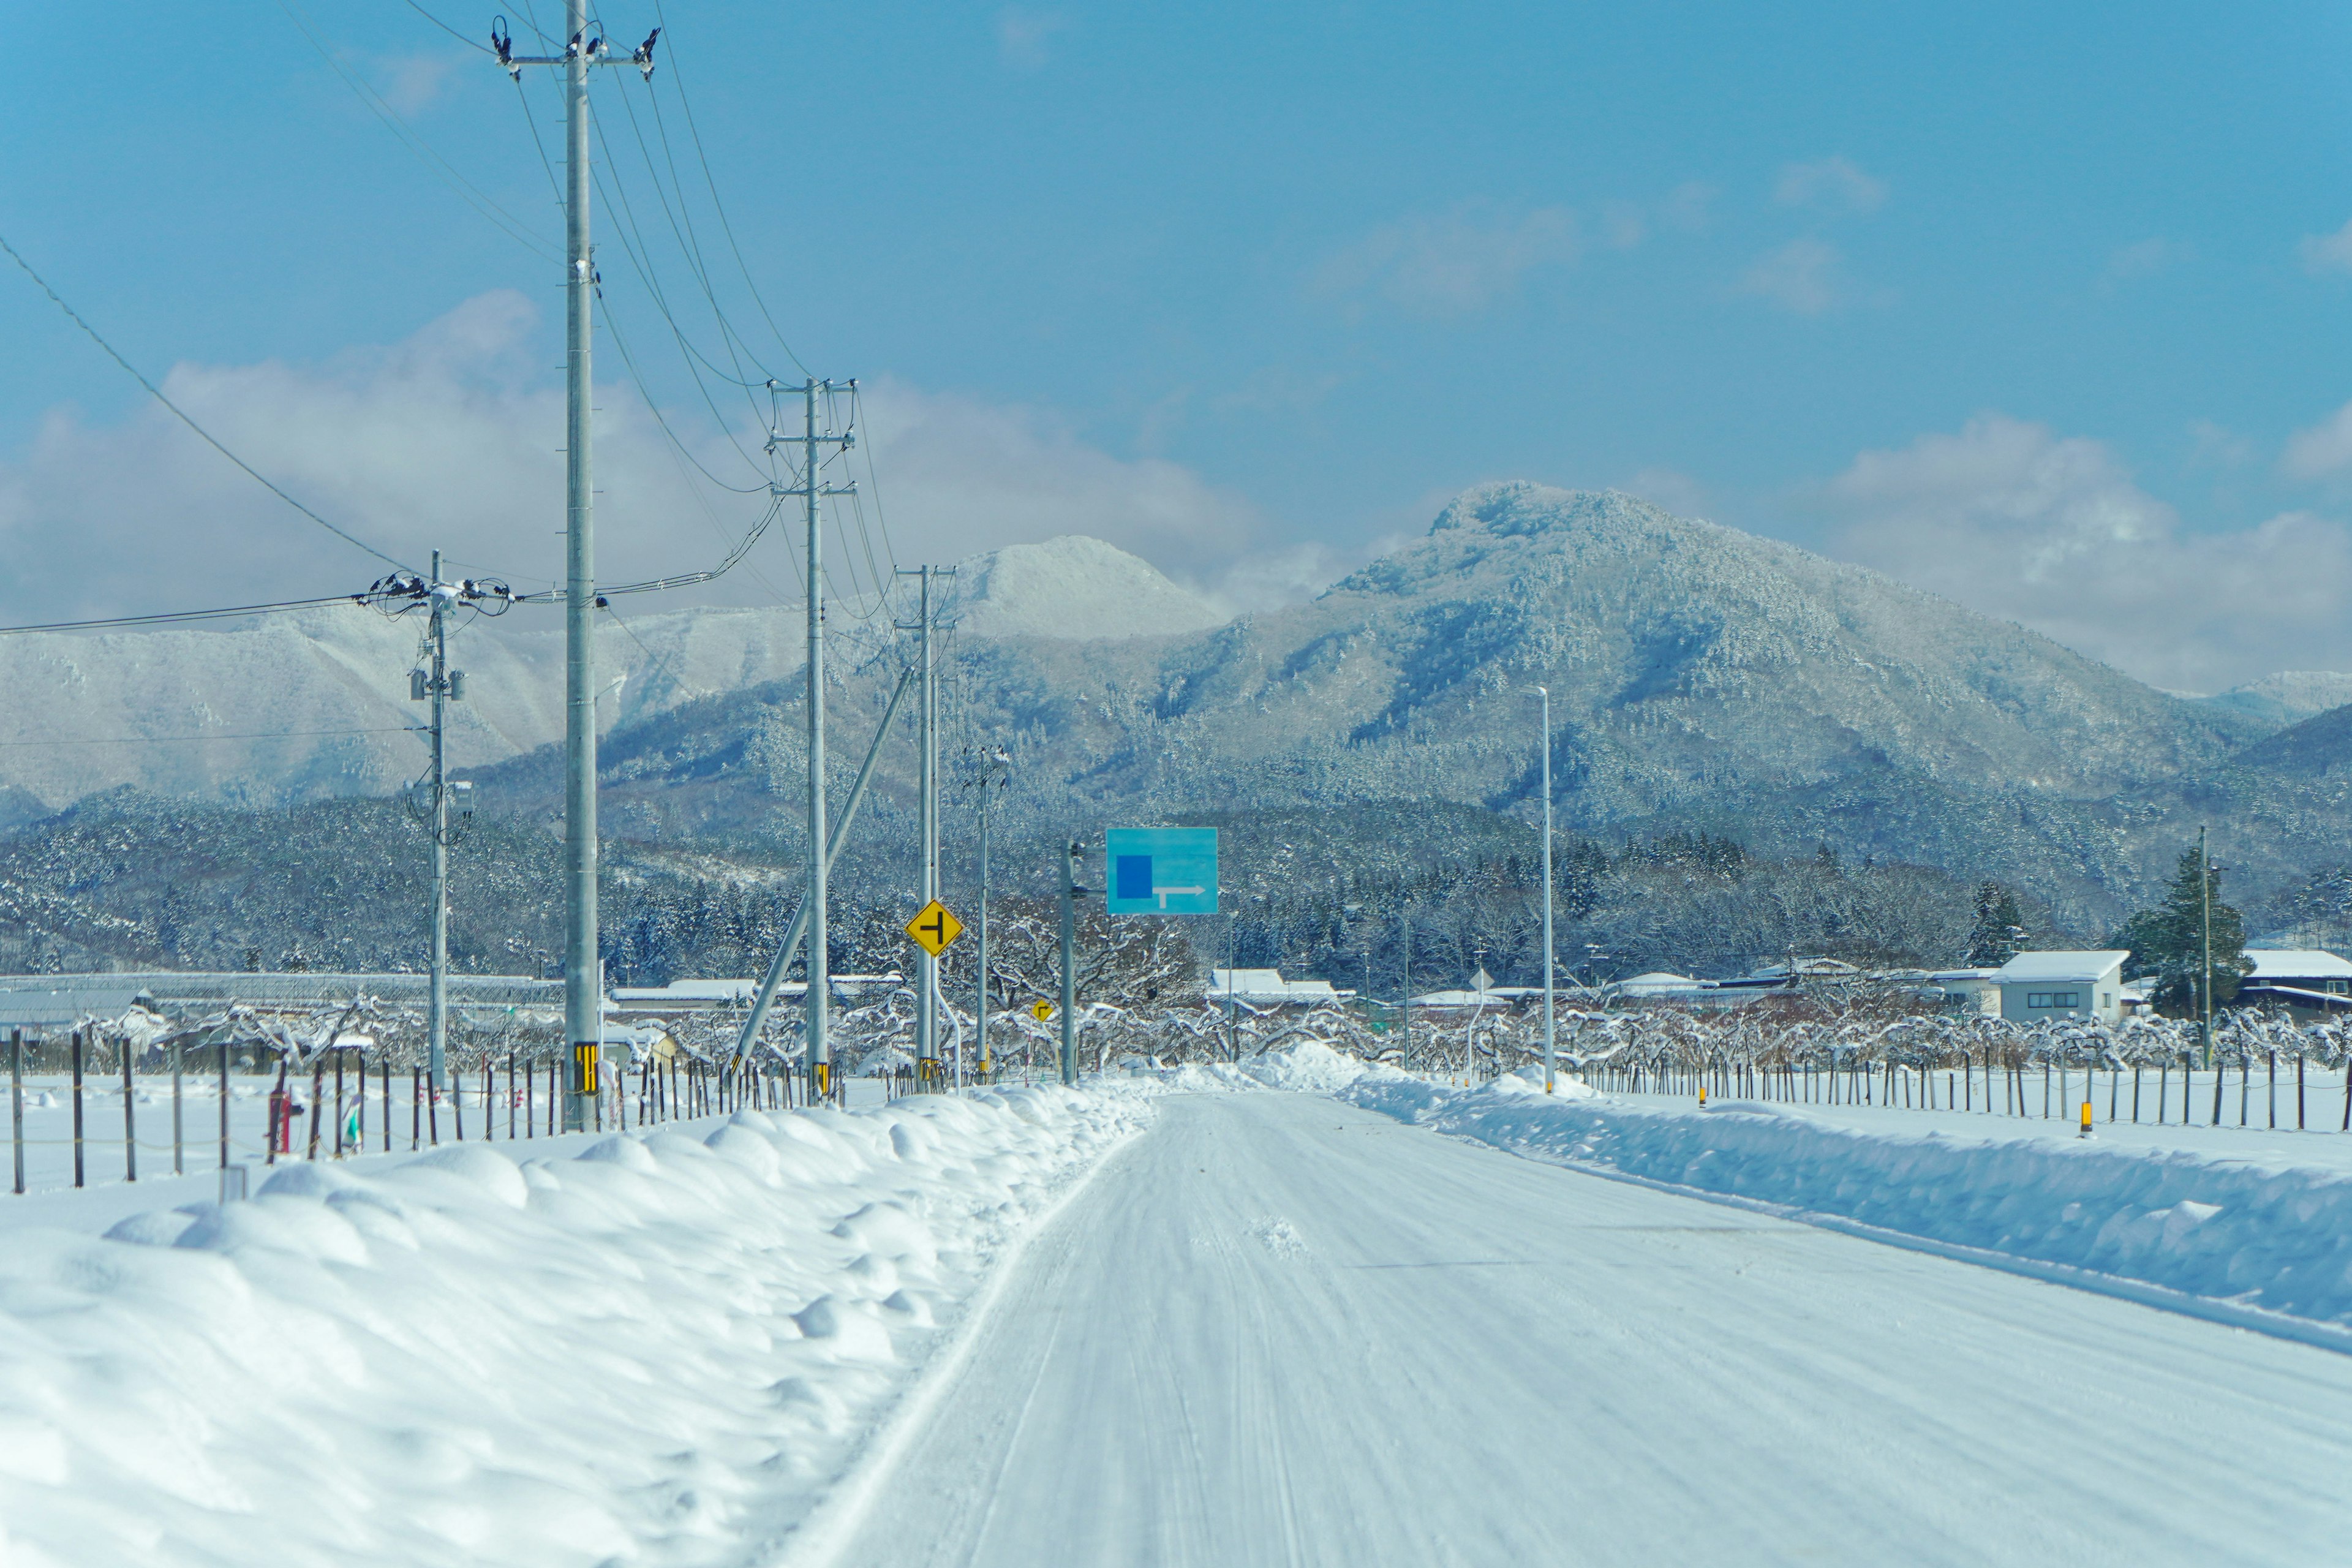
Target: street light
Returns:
[1550, 1038]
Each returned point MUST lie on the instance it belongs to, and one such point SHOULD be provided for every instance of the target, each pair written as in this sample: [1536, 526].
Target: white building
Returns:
[1969, 990]
[1267, 988]
[2039, 985]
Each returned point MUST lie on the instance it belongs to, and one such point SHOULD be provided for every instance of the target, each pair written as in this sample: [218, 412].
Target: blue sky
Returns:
[2041, 308]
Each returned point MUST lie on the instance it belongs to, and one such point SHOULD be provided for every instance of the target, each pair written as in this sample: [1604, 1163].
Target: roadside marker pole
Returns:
[77, 1108]
[130, 1125]
[17, 1102]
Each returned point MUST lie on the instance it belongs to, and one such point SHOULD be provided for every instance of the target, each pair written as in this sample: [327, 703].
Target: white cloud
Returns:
[411, 83]
[1452, 263]
[2215, 446]
[1834, 184]
[2011, 520]
[2322, 451]
[453, 439]
[2324, 253]
[1022, 36]
[1686, 207]
[2143, 259]
[1625, 224]
[1801, 275]
[960, 475]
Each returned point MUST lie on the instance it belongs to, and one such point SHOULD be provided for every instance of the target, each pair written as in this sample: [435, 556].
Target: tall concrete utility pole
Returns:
[995, 768]
[434, 681]
[813, 489]
[1552, 1049]
[1071, 892]
[927, 1031]
[2205, 921]
[583, 1015]
[929, 1003]
[437, 987]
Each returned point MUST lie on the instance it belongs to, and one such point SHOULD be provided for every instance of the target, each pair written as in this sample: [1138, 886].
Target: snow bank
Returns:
[2269, 1237]
[665, 1348]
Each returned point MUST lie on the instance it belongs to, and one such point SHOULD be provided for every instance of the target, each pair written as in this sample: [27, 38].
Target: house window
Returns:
[2053, 999]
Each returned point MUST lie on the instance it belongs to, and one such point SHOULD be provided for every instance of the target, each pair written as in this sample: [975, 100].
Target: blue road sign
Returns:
[1162, 871]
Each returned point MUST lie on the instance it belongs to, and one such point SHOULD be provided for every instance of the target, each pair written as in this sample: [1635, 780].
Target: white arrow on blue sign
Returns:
[1161, 871]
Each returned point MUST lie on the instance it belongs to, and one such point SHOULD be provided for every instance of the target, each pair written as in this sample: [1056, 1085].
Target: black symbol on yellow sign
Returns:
[934, 927]
[583, 1069]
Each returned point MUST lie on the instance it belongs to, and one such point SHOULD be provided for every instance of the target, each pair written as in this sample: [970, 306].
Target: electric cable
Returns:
[692, 129]
[272, 735]
[445, 27]
[173, 617]
[681, 228]
[481, 202]
[182, 414]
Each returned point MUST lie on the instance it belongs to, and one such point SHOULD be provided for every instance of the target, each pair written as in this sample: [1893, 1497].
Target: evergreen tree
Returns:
[2168, 944]
[1999, 930]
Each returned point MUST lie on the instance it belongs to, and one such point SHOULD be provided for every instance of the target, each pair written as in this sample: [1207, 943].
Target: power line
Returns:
[469, 43]
[512, 226]
[173, 617]
[182, 414]
[271, 735]
[716, 206]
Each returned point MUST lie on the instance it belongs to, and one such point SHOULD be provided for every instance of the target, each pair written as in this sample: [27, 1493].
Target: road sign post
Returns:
[933, 928]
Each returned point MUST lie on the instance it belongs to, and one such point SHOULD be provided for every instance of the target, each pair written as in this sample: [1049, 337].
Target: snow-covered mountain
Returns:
[313, 704]
[2289, 697]
[1072, 587]
[1701, 677]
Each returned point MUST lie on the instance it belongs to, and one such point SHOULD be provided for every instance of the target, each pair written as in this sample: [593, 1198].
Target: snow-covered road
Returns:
[1281, 1330]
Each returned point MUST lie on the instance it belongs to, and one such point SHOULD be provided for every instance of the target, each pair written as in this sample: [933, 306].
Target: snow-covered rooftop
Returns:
[1268, 985]
[2296, 963]
[2086, 965]
[1653, 982]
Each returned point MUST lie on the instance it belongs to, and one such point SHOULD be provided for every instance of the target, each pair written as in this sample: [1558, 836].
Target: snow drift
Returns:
[666, 1347]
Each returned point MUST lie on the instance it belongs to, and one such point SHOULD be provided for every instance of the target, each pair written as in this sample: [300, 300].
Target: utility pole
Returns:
[434, 681]
[438, 987]
[2205, 920]
[1071, 893]
[995, 768]
[1552, 1044]
[1405, 1000]
[813, 489]
[927, 966]
[583, 1009]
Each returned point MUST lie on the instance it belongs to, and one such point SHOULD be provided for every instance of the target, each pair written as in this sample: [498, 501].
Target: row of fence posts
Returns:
[665, 1092]
[1857, 1082]
[79, 1047]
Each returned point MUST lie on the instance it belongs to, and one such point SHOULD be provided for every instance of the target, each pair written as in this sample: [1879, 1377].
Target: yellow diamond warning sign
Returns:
[933, 927]
[1041, 1009]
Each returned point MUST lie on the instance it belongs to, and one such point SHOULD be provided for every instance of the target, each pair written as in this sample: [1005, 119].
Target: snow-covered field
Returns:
[660, 1347]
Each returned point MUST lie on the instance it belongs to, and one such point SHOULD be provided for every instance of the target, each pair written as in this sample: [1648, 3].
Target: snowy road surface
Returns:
[1280, 1330]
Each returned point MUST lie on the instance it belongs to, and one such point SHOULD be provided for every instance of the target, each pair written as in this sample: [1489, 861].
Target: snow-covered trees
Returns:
[2167, 942]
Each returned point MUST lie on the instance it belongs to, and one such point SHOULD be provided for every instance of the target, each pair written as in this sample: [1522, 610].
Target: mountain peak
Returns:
[1509, 507]
[1073, 587]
